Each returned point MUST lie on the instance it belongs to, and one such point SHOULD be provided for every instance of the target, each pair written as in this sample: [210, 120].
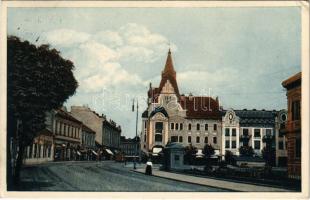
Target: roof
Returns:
[200, 107]
[159, 110]
[65, 115]
[256, 117]
[86, 128]
[169, 74]
[293, 81]
[145, 114]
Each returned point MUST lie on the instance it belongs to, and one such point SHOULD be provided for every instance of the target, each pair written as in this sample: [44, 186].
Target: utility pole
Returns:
[136, 145]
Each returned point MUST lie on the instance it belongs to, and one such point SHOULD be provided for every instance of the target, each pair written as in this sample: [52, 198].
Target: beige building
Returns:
[172, 117]
[89, 117]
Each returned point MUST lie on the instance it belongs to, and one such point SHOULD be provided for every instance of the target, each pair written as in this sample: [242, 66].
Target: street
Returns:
[106, 176]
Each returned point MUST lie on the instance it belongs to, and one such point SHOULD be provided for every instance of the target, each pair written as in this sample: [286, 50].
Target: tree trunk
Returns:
[18, 166]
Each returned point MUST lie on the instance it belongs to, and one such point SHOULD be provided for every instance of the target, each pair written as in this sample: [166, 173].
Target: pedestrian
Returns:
[148, 170]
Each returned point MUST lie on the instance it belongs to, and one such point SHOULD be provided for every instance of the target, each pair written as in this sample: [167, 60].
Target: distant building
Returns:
[111, 134]
[293, 125]
[87, 143]
[130, 146]
[247, 128]
[107, 131]
[90, 118]
[172, 117]
[67, 138]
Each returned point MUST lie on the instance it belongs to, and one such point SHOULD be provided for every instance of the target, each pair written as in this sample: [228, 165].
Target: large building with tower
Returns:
[173, 117]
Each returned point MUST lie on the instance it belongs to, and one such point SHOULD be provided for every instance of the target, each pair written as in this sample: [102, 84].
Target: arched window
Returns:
[180, 139]
[189, 127]
[197, 139]
[206, 127]
[206, 139]
[189, 139]
[198, 127]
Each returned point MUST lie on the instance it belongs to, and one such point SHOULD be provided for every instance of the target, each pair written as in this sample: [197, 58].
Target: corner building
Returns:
[171, 117]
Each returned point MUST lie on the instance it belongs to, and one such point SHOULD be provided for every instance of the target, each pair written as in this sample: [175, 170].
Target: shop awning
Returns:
[94, 152]
[109, 151]
[199, 153]
[156, 151]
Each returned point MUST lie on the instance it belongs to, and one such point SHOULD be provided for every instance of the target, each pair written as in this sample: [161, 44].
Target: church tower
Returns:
[168, 83]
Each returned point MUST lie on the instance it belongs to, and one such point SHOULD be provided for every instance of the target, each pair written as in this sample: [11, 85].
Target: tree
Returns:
[208, 151]
[190, 152]
[246, 151]
[268, 152]
[39, 80]
[229, 157]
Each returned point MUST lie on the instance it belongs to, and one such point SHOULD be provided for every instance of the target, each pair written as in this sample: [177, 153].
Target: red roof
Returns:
[200, 107]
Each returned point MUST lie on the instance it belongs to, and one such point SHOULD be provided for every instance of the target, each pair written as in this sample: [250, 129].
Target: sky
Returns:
[240, 55]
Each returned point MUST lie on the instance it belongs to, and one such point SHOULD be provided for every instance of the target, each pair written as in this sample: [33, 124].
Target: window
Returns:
[180, 139]
[176, 126]
[233, 144]
[171, 126]
[215, 127]
[257, 144]
[245, 131]
[144, 137]
[176, 157]
[174, 138]
[214, 140]
[268, 132]
[189, 139]
[227, 144]
[158, 138]
[189, 127]
[197, 139]
[206, 140]
[65, 128]
[256, 132]
[181, 126]
[233, 132]
[297, 148]
[206, 127]
[198, 127]
[226, 131]
[296, 110]
[281, 146]
[158, 127]
[145, 124]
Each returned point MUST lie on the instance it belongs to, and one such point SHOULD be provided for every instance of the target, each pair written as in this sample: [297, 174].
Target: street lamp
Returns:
[133, 109]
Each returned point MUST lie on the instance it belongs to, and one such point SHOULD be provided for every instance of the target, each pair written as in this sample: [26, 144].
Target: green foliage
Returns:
[39, 80]
[229, 157]
[189, 155]
[246, 151]
[208, 150]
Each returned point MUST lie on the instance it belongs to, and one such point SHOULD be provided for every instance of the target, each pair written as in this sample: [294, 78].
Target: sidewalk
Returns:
[238, 187]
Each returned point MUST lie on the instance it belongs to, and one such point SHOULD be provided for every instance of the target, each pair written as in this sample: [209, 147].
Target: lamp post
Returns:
[133, 109]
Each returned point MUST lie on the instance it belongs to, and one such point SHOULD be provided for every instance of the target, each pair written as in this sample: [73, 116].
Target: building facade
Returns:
[293, 125]
[172, 117]
[90, 118]
[281, 140]
[247, 128]
[130, 146]
[111, 134]
[67, 136]
[42, 148]
[87, 143]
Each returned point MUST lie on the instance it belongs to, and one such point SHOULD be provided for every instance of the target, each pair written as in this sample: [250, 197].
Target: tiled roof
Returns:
[67, 116]
[200, 107]
[256, 117]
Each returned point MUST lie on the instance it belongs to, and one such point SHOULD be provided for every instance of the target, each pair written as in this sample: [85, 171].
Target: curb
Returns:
[228, 190]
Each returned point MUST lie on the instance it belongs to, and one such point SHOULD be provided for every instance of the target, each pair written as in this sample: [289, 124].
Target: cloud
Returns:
[108, 57]
[65, 37]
